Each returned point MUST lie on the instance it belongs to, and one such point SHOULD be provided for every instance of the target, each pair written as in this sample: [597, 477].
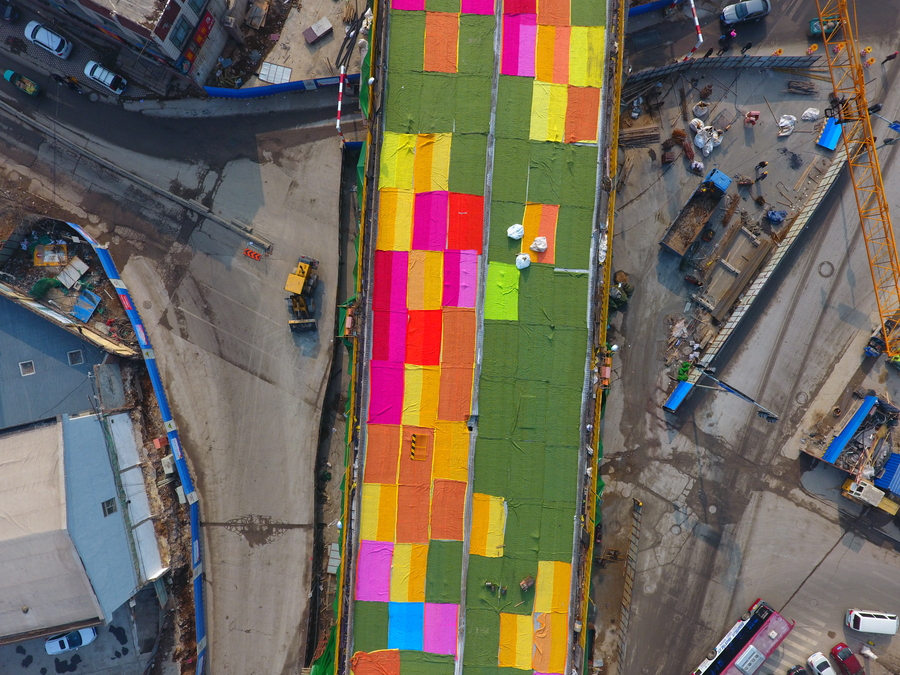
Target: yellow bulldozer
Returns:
[301, 284]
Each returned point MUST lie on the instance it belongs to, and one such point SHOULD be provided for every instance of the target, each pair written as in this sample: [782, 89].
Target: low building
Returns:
[186, 35]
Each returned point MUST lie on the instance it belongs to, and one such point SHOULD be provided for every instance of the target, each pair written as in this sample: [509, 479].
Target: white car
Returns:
[819, 664]
[68, 642]
[46, 38]
[745, 12]
[103, 76]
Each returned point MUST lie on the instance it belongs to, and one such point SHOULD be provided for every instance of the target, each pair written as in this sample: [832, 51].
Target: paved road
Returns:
[703, 474]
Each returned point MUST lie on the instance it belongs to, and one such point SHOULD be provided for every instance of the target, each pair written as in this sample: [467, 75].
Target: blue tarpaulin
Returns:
[838, 444]
[677, 396]
[890, 478]
[830, 134]
[85, 305]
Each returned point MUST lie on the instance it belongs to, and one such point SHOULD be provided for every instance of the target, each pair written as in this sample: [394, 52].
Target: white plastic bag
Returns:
[696, 125]
[708, 148]
[810, 115]
[601, 249]
[701, 138]
[701, 109]
[523, 260]
[716, 139]
[539, 245]
[515, 231]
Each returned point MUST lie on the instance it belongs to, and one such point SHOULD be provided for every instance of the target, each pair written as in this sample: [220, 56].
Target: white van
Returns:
[867, 621]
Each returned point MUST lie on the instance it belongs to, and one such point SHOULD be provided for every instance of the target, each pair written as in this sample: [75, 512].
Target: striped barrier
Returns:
[273, 89]
[171, 432]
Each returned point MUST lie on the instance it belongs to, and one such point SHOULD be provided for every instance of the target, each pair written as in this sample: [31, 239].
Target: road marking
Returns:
[820, 624]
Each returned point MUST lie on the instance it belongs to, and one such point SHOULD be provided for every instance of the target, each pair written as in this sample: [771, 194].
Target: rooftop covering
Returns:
[55, 387]
[39, 566]
[432, 241]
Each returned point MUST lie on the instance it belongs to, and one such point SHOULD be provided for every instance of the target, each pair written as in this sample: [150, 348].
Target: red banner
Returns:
[186, 62]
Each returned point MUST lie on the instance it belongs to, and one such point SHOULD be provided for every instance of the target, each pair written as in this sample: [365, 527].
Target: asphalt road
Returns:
[213, 141]
[651, 43]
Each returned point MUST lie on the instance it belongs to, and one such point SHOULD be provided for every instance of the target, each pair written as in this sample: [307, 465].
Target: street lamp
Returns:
[762, 412]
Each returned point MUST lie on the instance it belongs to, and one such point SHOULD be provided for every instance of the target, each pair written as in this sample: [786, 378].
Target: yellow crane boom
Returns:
[850, 108]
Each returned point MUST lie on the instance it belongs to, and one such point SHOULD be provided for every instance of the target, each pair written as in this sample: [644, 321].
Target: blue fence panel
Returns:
[651, 6]
[283, 88]
[171, 432]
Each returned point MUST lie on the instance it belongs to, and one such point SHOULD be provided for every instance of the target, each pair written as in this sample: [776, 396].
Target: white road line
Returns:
[809, 619]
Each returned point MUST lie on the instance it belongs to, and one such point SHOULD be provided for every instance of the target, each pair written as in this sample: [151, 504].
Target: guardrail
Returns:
[171, 432]
[715, 62]
[283, 88]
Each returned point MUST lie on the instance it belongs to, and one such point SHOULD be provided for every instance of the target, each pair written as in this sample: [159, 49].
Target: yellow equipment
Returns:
[850, 108]
[863, 492]
[301, 284]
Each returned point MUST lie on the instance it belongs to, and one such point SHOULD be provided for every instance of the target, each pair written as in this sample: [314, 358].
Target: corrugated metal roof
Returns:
[55, 388]
[890, 478]
[840, 442]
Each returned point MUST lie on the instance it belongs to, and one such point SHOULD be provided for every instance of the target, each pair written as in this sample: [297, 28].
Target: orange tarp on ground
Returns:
[432, 162]
[448, 505]
[424, 288]
[376, 663]
[441, 41]
[552, 54]
[458, 342]
[553, 13]
[451, 451]
[540, 221]
[423, 338]
[420, 395]
[515, 641]
[455, 401]
[382, 450]
[582, 112]
[416, 471]
[552, 587]
[379, 512]
[395, 216]
[413, 503]
[550, 638]
[488, 525]
[408, 563]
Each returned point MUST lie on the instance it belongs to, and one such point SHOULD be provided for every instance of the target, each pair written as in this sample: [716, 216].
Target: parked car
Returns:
[745, 12]
[105, 77]
[68, 642]
[797, 670]
[819, 664]
[47, 39]
[8, 12]
[847, 660]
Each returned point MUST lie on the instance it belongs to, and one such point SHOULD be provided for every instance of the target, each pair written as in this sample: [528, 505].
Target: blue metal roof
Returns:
[890, 479]
[677, 396]
[55, 388]
[840, 442]
[719, 179]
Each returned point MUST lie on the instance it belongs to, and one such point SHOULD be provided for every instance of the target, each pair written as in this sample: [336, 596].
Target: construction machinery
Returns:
[301, 284]
[851, 110]
[696, 212]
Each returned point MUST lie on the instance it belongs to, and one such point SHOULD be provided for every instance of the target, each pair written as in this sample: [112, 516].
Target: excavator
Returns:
[301, 284]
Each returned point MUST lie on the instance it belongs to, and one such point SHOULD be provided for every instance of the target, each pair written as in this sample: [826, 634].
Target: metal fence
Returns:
[283, 88]
[634, 540]
[720, 62]
[171, 433]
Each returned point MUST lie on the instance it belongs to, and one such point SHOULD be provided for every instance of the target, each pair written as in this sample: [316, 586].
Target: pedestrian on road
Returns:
[708, 54]
[889, 57]
[746, 48]
[761, 177]
[762, 165]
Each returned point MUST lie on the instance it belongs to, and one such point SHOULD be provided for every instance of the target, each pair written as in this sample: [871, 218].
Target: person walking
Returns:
[709, 53]
[761, 177]
[889, 57]
[746, 48]
[762, 165]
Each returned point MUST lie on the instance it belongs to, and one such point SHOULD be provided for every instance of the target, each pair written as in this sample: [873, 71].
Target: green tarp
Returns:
[442, 583]
[501, 300]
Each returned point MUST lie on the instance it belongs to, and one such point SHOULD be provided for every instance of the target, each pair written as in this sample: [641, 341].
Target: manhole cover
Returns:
[826, 269]
[813, 603]
[712, 509]
[675, 529]
[147, 304]
[802, 397]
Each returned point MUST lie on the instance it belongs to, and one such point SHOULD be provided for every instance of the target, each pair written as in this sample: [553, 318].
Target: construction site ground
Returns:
[731, 510]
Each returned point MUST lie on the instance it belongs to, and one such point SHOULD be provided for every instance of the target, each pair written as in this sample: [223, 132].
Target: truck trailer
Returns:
[695, 214]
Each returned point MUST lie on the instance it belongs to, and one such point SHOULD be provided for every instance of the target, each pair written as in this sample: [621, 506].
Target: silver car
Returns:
[47, 39]
[745, 12]
[105, 77]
